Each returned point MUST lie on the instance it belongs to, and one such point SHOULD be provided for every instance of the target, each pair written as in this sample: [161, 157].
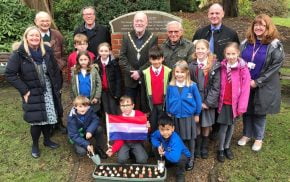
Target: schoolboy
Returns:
[167, 143]
[83, 124]
[156, 78]
[125, 147]
[80, 44]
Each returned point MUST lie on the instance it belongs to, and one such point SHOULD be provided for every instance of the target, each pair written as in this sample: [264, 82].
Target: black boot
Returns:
[35, 151]
[197, 146]
[50, 144]
[229, 154]
[190, 165]
[46, 135]
[220, 156]
[204, 150]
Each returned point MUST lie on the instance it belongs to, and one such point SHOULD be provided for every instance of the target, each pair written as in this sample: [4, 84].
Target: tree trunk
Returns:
[41, 5]
[230, 8]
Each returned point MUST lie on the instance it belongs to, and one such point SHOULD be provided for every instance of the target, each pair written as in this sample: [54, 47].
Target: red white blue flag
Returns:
[127, 128]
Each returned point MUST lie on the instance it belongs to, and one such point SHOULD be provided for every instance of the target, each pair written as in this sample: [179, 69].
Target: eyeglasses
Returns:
[128, 105]
[89, 14]
[259, 25]
[173, 32]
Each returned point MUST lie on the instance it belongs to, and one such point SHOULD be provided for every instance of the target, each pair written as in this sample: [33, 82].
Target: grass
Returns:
[16, 161]
[281, 21]
[272, 163]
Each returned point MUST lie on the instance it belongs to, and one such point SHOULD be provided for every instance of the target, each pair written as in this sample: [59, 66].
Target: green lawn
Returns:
[281, 21]
[272, 163]
[16, 161]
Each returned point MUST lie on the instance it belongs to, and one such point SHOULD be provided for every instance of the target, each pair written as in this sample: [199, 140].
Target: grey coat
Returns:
[182, 51]
[266, 98]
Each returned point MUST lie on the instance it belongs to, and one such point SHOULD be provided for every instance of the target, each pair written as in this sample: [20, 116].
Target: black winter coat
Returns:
[113, 76]
[21, 73]
[98, 35]
[221, 38]
[212, 89]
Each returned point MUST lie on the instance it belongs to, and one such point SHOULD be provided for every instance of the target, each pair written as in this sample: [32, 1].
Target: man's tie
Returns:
[46, 38]
[211, 41]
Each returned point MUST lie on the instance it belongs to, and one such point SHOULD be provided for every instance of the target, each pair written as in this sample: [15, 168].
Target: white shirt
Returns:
[84, 72]
[158, 70]
[232, 65]
[180, 84]
[204, 62]
[47, 33]
[105, 61]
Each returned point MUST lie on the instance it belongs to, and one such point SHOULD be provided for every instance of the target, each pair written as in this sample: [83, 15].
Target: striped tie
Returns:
[229, 75]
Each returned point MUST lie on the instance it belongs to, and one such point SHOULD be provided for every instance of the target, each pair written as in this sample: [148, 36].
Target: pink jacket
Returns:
[240, 87]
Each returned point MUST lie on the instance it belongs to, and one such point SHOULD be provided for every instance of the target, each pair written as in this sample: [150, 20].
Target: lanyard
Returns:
[255, 52]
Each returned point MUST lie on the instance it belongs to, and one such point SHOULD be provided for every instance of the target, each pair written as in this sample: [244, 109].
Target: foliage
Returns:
[184, 5]
[245, 8]
[105, 11]
[14, 18]
[281, 21]
[189, 28]
[271, 8]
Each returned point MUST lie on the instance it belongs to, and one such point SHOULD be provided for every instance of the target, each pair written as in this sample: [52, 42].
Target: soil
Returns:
[205, 169]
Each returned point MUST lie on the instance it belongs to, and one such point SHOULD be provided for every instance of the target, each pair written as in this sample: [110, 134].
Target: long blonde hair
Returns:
[210, 56]
[184, 67]
[25, 43]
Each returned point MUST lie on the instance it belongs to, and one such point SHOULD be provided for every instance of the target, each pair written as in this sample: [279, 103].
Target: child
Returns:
[111, 79]
[183, 102]
[234, 95]
[167, 143]
[80, 44]
[83, 124]
[124, 147]
[205, 71]
[86, 80]
[156, 78]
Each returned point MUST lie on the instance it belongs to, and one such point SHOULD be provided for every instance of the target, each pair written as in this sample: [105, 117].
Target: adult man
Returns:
[96, 33]
[176, 47]
[43, 21]
[216, 33]
[134, 53]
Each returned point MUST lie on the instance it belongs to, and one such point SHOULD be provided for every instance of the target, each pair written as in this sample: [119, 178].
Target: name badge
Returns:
[251, 65]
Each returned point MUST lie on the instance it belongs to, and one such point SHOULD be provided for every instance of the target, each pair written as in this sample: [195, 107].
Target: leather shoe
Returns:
[50, 144]
[190, 165]
[35, 152]
[229, 154]
[220, 156]
[101, 153]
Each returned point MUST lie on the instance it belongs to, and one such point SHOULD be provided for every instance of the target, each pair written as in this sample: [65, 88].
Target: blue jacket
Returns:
[184, 104]
[173, 146]
[77, 128]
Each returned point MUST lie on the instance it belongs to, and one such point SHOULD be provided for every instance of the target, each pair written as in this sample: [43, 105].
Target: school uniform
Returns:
[111, 84]
[155, 81]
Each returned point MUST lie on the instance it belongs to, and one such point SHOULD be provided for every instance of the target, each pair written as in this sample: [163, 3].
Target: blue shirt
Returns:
[84, 84]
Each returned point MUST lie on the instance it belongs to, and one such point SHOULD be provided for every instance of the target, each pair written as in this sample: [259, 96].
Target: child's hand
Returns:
[94, 101]
[90, 149]
[88, 135]
[161, 150]
[204, 106]
[253, 84]
[109, 152]
[196, 119]
[148, 124]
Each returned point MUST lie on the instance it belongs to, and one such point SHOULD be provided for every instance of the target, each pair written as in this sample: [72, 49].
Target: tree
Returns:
[41, 5]
[231, 8]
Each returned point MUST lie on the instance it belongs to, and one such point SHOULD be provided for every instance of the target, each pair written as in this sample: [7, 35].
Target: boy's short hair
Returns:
[126, 97]
[80, 38]
[164, 119]
[155, 52]
[81, 100]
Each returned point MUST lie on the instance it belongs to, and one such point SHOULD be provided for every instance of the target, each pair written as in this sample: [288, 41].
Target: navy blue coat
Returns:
[77, 128]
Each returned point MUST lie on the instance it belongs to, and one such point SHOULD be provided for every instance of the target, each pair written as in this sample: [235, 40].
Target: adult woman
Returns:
[264, 54]
[33, 71]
